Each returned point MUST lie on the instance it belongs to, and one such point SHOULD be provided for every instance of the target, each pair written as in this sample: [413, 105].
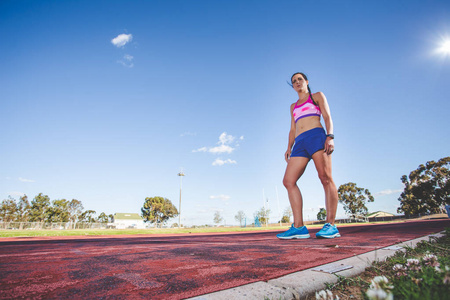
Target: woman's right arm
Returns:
[291, 140]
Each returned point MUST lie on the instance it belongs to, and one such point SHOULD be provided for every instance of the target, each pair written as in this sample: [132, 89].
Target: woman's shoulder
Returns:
[319, 97]
[318, 94]
[292, 107]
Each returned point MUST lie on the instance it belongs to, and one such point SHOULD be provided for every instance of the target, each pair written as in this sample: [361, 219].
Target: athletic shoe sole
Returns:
[297, 236]
[328, 236]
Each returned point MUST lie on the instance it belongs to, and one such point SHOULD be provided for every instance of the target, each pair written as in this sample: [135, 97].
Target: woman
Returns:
[311, 141]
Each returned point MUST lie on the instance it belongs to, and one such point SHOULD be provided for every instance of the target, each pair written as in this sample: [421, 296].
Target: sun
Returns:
[445, 47]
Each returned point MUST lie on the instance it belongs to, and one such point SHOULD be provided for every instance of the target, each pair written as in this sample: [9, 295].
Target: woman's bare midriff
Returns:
[306, 124]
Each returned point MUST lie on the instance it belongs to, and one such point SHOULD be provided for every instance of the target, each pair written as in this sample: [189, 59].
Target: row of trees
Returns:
[262, 215]
[159, 210]
[351, 197]
[42, 209]
[426, 191]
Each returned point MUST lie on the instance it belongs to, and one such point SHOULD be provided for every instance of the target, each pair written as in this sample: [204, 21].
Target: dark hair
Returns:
[306, 78]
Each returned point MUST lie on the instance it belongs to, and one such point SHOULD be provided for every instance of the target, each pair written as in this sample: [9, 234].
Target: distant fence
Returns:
[388, 218]
[379, 219]
[53, 226]
[82, 225]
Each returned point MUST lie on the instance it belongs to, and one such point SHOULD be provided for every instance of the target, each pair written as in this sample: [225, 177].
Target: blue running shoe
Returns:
[294, 233]
[328, 231]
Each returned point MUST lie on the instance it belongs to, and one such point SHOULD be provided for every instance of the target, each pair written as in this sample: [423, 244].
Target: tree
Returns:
[39, 208]
[75, 209]
[240, 217]
[23, 209]
[322, 214]
[263, 215]
[427, 189]
[354, 199]
[102, 218]
[158, 210]
[8, 210]
[287, 215]
[217, 217]
[59, 211]
[285, 219]
[87, 216]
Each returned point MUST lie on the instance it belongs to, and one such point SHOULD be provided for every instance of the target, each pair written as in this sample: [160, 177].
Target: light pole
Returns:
[181, 174]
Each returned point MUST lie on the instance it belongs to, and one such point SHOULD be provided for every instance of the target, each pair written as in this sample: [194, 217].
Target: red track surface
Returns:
[177, 266]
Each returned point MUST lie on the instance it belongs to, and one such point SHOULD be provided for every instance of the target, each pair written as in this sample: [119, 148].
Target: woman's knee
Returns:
[289, 183]
[325, 178]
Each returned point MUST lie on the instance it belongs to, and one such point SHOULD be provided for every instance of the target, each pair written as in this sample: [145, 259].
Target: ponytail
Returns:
[310, 95]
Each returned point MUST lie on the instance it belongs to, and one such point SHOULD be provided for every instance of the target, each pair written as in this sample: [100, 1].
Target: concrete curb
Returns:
[303, 283]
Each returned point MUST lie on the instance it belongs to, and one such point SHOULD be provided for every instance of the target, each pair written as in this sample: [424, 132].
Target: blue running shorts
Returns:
[309, 142]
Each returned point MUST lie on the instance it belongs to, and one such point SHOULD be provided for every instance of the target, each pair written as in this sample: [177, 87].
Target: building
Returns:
[379, 214]
[128, 220]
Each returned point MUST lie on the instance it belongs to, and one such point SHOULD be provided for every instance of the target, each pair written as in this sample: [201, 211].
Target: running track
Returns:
[177, 266]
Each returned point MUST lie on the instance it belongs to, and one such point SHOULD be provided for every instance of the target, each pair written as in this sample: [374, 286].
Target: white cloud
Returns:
[127, 61]
[387, 192]
[220, 197]
[221, 149]
[121, 40]
[202, 149]
[224, 138]
[25, 180]
[220, 162]
[226, 145]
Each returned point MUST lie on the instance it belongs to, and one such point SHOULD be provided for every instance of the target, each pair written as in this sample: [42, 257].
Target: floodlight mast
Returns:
[181, 174]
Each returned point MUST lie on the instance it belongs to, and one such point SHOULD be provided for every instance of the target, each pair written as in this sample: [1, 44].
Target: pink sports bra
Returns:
[306, 109]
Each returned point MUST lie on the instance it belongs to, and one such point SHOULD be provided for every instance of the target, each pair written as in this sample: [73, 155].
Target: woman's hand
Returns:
[287, 155]
[329, 146]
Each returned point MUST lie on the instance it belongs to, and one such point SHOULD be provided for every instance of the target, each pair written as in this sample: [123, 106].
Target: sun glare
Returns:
[445, 47]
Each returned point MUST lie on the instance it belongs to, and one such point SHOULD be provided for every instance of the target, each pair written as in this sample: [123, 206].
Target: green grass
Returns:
[422, 272]
[94, 232]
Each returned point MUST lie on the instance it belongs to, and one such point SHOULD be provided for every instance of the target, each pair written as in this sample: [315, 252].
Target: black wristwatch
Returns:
[331, 136]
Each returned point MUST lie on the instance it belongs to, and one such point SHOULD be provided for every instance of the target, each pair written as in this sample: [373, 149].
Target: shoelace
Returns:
[292, 228]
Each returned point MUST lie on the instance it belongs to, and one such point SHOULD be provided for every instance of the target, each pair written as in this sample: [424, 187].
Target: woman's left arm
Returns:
[321, 100]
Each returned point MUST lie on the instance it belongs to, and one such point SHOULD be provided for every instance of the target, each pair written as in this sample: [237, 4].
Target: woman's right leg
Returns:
[294, 170]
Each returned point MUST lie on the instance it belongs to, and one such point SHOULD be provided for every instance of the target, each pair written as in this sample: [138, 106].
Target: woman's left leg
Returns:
[322, 161]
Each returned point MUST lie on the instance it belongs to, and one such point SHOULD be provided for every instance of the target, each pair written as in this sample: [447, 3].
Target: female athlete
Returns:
[308, 140]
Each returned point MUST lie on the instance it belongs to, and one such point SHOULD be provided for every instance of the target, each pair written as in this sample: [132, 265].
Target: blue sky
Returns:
[105, 101]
